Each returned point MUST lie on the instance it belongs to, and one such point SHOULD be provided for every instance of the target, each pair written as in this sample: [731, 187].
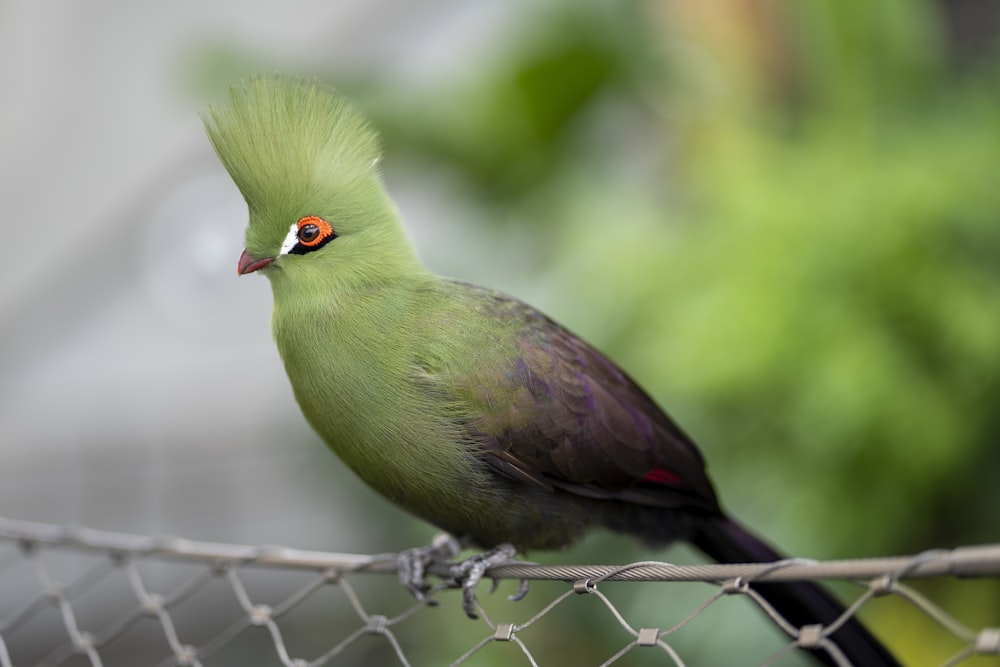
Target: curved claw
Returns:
[522, 590]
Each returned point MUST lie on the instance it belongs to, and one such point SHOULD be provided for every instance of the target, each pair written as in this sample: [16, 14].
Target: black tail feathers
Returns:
[800, 603]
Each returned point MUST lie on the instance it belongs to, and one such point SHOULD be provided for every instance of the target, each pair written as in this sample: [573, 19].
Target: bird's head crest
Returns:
[294, 148]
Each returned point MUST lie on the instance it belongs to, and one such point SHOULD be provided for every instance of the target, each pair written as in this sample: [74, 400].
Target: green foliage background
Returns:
[784, 219]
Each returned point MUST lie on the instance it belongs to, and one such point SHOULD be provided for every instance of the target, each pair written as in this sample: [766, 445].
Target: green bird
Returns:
[463, 405]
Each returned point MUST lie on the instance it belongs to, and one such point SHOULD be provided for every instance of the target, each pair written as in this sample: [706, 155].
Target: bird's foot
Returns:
[412, 564]
[467, 575]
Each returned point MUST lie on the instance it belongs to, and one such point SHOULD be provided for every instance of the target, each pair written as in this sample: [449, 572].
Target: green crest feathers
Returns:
[290, 138]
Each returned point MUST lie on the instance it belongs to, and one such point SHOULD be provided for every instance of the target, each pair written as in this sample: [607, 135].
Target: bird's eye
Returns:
[308, 233]
[312, 231]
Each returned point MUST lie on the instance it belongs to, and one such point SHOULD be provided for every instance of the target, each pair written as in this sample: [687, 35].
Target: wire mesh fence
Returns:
[78, 596]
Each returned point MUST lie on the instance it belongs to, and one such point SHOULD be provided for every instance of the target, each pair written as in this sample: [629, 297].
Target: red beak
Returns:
[249, 263]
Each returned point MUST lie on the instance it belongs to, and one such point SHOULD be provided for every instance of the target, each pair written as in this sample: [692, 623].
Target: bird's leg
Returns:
[412, 564]
[467, 575]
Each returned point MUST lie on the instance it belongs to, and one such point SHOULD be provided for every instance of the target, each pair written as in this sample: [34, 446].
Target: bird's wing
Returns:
[565, 417]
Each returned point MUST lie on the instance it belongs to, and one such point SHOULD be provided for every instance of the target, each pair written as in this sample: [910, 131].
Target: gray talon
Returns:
[412, 564]
[469, 573]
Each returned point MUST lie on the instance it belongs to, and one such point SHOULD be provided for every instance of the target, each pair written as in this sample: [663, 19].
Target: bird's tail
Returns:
[800, 603]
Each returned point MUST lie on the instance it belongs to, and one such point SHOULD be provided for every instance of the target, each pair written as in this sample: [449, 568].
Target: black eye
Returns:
[308, 233]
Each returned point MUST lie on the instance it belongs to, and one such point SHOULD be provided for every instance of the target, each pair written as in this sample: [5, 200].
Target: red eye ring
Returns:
[313, 230]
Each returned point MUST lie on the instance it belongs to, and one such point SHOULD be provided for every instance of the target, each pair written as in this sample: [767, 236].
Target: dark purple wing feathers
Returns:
[592, 431]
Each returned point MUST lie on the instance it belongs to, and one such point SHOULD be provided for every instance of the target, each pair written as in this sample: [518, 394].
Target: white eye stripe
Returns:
[290, 240]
